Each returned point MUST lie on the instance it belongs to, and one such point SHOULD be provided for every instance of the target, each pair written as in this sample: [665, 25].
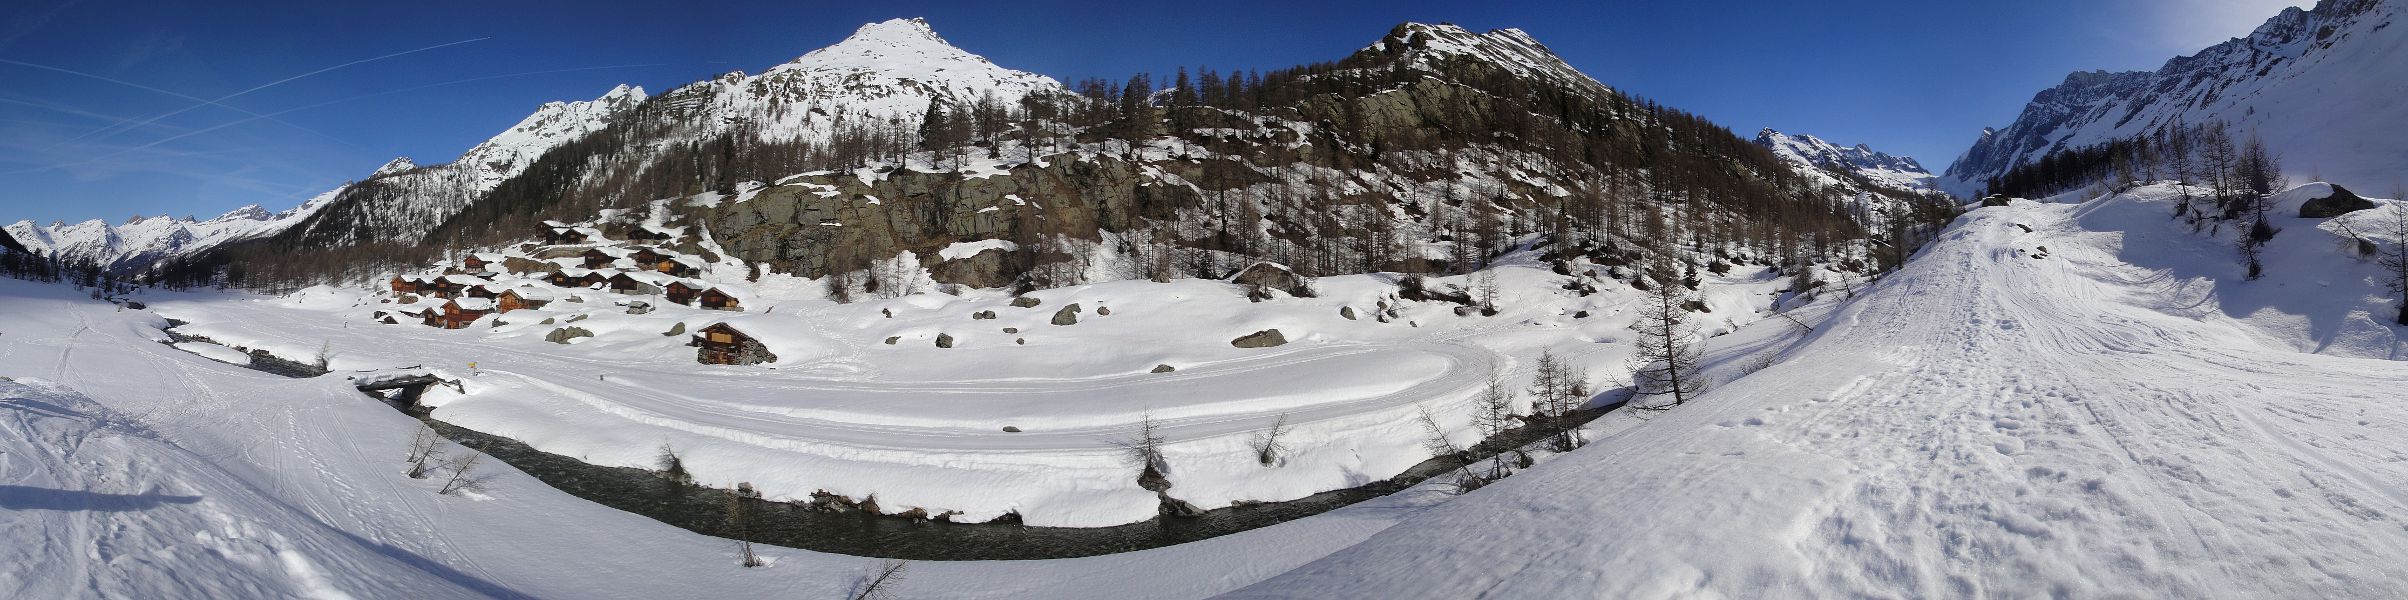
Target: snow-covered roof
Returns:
[788, 337]
[531, 293]
[612, 251]
[465, 279]
[473, 303]
[672, 231]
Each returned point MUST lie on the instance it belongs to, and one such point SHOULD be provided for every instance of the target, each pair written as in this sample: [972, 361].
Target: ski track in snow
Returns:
[1984, 424]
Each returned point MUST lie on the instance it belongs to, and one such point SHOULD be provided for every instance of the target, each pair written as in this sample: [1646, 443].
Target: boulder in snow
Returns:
[1164, 368]
[944, 341]
[564, 334]
[1270, 275]
[1026, 302]
[2340, 203]
[1346, 311]
[1069, 315]
[1260, 339]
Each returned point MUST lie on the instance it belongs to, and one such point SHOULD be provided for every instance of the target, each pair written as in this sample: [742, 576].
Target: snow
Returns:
[1981, 424]
[2118, 415]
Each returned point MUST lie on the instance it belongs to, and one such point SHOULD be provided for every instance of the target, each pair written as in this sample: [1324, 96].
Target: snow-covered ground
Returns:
[921, 427]
[1983, 424]
[2112, 414]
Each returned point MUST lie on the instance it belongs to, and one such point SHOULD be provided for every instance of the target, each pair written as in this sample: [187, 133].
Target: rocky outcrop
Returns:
[1026, 302]
[1260, 339]
[1269, 275]
[565, 334]
[809, 223]
[989, 268]
[2340, 203]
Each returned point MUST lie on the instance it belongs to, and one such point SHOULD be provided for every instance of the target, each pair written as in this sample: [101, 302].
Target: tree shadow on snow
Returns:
[18, 497]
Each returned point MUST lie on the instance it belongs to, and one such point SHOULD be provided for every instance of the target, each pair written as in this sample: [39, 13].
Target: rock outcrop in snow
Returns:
[1833, 160]
[2312, 83]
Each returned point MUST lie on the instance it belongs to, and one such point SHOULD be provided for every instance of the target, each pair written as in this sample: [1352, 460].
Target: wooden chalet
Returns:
[680, 267]
[518, 298]
[596, 258]
[459, 312]
[717, 299]
[453, 285]
[484, 291]
[683, 291]
[568, 277]
[556, 233]
[407, 284]
[646, 257]
[634, 283]
[648, 233]
[480, 263]
[724, 344]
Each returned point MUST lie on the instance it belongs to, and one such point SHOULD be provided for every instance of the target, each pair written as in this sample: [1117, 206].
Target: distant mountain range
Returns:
[2321, 87]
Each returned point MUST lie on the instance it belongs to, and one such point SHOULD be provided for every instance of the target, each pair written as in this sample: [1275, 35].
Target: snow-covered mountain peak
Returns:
[1514, 50]
[1814, 153]
[397, 165]
[252, 212]
[507, 154]
[895, 57]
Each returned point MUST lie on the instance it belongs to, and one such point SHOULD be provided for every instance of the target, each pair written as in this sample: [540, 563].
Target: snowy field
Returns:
[920, 427]
[2115, 415]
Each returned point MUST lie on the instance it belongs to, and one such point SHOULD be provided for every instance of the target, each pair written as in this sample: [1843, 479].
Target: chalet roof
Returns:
[688, 283]
[531, 293]
[645, 277]
[555, 224]
[611, 251]
[724, 290]
[465, 279]
[687, 262]
[473, 303]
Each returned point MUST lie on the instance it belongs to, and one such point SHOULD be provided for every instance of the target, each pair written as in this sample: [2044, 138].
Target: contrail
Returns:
[216, 102]
[122, 121]
[272, 115]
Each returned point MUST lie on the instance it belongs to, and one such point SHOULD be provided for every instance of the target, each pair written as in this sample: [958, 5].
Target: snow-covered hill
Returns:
[1832, 160]
[2318, 85]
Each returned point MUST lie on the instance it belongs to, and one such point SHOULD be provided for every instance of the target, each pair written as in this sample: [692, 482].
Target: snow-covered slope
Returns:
[2051, 411]
[141, 241]
[2318, 85]
[402, 202]
[1809, 152]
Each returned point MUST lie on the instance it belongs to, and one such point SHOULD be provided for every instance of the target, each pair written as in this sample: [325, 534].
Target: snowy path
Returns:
[1984, 424]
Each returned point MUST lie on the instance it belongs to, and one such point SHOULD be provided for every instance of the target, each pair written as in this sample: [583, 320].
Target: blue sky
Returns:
[114, 108]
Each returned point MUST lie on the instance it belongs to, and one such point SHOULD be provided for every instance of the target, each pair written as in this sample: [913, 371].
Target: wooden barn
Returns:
[484, 291]
[724, 344]
[568, 277]
[518, 298]
[459, 312]
[682, 291]
[717, 299]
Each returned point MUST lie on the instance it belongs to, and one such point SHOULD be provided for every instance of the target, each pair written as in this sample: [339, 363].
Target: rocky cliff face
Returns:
[2312, 83]
[808, 223]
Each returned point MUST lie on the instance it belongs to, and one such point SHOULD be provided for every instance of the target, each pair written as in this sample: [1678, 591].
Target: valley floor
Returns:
[1984, 422]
